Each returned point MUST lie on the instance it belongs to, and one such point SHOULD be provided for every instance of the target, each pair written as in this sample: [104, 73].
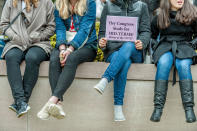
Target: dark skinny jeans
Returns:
[61, 78]
[22, 86]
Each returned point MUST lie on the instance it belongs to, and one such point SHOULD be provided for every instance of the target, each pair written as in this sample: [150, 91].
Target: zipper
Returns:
[126, 6]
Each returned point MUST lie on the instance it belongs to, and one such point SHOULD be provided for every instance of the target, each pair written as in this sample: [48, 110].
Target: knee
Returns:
[164, 64]
[54, 58]
[128, 48]
[11, 56]
[32, 59]
[183, 65]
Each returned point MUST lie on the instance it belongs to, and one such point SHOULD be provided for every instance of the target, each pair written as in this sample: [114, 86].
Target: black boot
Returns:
[161, 87]
[187, 95]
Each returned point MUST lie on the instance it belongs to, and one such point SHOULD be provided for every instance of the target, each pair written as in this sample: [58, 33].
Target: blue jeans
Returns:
[165, 63]
[120, 62]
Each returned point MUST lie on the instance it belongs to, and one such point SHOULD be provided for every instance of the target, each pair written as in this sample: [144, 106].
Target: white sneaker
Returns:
[118, 114]
[100, 87]
[43, 114]
[57, 111]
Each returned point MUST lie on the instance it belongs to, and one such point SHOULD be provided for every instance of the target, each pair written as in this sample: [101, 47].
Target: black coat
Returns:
[118, 8]
[176, 38]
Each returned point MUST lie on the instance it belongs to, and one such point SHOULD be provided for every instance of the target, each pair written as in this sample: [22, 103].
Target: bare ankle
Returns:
[54, 99]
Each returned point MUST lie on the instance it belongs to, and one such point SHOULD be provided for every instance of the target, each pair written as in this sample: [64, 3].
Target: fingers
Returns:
[63, 61]
[102, 42]
[64, 55]
[61, 56]
[138, 45]
[137, 42]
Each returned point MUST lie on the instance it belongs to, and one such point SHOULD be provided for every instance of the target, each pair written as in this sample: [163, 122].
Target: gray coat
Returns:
[37, 29]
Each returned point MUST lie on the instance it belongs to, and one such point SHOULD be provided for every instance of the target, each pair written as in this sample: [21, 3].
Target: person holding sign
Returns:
[76, 43]
[119, 50]
[176, 23]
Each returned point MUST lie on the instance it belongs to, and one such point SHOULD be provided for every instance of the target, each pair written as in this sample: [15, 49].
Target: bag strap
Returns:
[12, 22]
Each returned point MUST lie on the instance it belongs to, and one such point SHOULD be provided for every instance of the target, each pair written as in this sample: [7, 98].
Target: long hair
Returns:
[65, 8]
[28, 4]
[186, 15]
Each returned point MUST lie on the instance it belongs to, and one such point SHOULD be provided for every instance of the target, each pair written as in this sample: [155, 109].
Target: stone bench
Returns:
[89, 111]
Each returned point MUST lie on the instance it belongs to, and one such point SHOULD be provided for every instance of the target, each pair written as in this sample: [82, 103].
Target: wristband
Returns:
[68, 49]
[62, 49]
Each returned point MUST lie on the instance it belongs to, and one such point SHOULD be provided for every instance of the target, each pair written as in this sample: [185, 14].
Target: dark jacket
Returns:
[134, 9]
[175, 38]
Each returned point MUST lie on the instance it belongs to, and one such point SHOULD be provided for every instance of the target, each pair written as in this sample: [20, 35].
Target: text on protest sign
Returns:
[121, 28]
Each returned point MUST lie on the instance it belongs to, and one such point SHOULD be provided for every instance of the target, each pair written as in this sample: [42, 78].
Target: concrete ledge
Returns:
[89, 111]
[94, 70]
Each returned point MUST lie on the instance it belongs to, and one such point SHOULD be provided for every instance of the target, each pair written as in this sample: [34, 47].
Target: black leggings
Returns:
[61, 78]
[22, 87]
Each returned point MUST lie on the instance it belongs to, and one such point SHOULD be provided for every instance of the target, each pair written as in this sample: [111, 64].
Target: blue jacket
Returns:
[84, 25]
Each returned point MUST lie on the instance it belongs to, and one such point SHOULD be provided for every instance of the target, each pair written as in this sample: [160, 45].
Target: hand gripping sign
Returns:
[121, 28]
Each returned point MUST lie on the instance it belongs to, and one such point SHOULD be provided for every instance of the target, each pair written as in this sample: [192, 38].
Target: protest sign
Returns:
[121, 28]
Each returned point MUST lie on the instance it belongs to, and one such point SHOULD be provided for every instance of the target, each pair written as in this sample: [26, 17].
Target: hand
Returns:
[63, 56]
[62, 47]
[138, 45]
[35, 37]
[102, 42]
[17, 39]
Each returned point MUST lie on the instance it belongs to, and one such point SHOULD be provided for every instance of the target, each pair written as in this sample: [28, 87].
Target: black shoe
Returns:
[187, 95]
[160, 92]
[190, 115]
[156, 116]
[13, 107]
[22, 109]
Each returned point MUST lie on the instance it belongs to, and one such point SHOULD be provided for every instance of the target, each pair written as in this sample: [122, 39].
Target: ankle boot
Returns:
[187, 95]
[160, 92]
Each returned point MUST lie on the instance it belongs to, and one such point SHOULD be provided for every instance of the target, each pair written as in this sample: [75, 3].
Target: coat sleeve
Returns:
[102, 28]
[144, 27]
[85, 26]
[5, 21]
[193, 42]
[50, 25]
[60, 30]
